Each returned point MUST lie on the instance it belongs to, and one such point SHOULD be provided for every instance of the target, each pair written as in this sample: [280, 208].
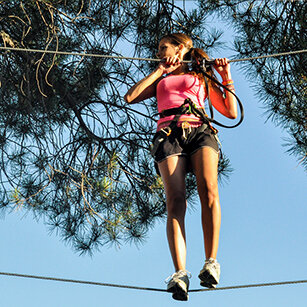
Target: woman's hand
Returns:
[222, 66]
[226, 102]
[169, 64]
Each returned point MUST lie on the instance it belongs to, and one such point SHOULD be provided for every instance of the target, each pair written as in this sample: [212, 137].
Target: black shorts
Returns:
[179, 142]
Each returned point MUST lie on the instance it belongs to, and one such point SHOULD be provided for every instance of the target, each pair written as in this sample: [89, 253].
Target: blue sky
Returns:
[263, 236]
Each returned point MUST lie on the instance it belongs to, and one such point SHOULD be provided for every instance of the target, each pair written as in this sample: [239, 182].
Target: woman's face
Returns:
[166, 49]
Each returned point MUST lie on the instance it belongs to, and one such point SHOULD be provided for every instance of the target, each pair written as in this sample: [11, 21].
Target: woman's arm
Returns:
[228, 105]
[146, 88]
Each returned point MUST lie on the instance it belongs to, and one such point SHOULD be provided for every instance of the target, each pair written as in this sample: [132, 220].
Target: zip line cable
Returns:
[136, 58]
[208, 62]
[96, 55]
[93, 283]
[280, 283]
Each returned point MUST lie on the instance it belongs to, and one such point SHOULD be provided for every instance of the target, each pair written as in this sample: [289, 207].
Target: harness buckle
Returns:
[186, 125]
[186, 129]
[166, 130]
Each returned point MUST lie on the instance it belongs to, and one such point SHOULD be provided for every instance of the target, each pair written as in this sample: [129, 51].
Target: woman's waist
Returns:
[166, 104]
[190, 120]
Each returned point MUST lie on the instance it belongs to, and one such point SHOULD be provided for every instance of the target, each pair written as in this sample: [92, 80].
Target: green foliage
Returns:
[71, 151]
[269, 27]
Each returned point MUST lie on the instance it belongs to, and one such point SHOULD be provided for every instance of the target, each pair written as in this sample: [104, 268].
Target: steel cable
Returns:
[137, 58]
[93, 283]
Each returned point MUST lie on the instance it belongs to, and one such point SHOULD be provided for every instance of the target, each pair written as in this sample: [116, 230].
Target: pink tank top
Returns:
[171, 93]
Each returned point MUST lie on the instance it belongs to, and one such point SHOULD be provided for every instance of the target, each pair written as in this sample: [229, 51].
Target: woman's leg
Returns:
[205, 165]
[173, 171]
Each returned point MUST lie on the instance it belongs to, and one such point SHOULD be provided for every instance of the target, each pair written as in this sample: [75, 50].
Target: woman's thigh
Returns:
[173, 171]
[205, 166]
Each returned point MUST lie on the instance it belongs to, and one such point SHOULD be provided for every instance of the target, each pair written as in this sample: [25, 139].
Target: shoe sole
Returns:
[178, 293]
[207, 280]
[207, 285]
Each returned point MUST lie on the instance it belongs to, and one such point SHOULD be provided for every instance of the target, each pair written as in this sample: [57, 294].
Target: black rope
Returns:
[203, 67]
[76, 281]
[93, 283]
[280, 283]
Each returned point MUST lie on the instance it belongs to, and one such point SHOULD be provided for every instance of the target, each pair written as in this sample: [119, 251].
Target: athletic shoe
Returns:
[210, 274]
[178, 284]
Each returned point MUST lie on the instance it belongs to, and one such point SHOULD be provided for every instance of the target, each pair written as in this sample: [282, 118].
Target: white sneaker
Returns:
[178, 284]
[210, 274]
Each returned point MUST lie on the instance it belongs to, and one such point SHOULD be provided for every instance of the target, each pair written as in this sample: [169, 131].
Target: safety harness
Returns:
[189, 107]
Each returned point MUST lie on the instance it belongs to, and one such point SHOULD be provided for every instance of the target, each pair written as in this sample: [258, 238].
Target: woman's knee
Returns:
[176, 204]
[208, 192]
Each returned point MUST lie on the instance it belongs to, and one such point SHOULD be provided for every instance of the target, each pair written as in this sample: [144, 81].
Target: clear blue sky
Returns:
[263, 237]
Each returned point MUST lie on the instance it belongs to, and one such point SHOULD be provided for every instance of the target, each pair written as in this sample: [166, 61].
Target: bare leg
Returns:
[173, 171]
[205, 164]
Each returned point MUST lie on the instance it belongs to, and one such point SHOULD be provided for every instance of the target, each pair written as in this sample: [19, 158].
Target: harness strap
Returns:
[163, 134]
[183, 109]
[188, 107]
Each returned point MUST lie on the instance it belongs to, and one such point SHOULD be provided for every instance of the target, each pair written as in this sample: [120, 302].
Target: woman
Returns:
[190, 144]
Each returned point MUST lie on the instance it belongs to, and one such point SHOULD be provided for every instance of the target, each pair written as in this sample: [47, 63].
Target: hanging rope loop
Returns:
[204, 65]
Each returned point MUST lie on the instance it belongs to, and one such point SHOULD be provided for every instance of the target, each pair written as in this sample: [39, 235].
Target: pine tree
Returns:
[270, 27]
[71, 151]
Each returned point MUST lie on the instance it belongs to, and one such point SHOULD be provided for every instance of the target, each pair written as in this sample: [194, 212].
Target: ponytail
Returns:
[197, 55]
